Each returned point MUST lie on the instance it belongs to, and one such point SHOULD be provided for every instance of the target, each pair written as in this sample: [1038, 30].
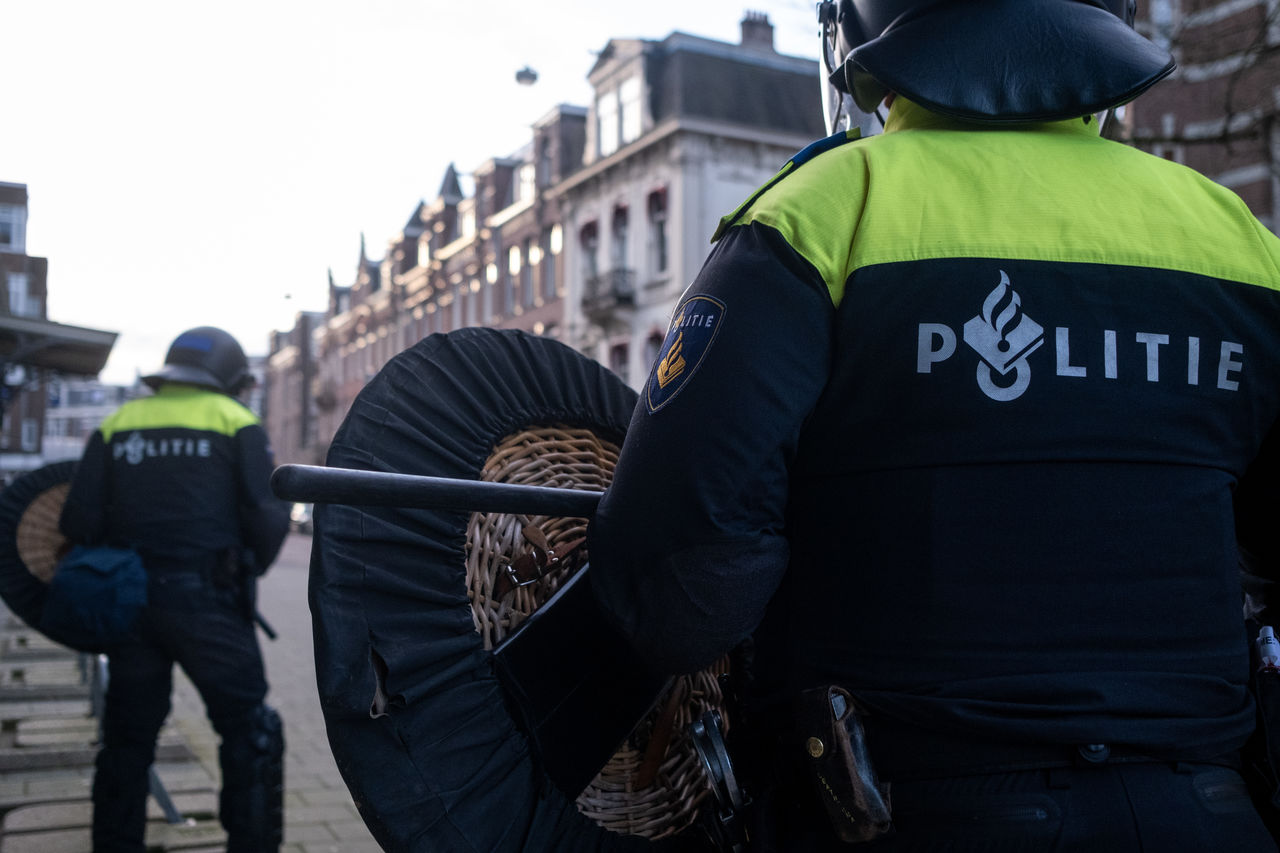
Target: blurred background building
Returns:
[590, 231]
[1217, 112]
[33, 350]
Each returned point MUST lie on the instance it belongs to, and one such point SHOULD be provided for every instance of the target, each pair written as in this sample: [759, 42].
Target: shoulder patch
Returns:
[803, 156]
[697, 321]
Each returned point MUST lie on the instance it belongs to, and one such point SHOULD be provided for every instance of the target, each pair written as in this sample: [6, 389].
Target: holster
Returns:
[1261, 754]
[236, 572]
[830, 733]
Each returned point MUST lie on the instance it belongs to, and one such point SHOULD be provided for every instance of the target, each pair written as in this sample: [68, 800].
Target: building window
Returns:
[1168, 152]
[528, 182]
[20, 305]
[406, 257]
[619, 357]
[548, 264]
[528, 295]
[472, 296]
[30, 435]
[618, 238]
[607, 123]
[590, 240]
[424, 251]
[652, 346]
[545, 163]
[629, 95]
[468, 222]
[658, 230]
[537, 276]
[1162, 15]
[9, 218]
[509, 280]
[619, 116]
[484, 298]
[490, 279]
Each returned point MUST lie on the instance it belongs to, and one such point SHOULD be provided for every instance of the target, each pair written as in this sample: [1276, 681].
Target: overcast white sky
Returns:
[192, 164]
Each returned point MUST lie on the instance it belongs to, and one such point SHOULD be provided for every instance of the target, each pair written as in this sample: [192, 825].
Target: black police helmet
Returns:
[995, 60]
[205, 356]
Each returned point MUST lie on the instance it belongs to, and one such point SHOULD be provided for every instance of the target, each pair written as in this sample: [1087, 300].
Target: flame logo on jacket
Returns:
[1003, 336]
[673, 364]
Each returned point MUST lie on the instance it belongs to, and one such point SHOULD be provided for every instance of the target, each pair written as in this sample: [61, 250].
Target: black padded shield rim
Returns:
[22, 591]
[445, 767]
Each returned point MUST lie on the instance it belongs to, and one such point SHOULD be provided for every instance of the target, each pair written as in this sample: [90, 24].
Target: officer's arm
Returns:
[264, 518]
[1257, 506]
[688, 545]
[84, 513]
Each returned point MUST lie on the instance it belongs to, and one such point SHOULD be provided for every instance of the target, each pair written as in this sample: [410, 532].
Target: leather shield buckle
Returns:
[530, 567]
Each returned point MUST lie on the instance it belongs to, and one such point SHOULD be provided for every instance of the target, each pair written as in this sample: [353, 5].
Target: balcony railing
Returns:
[604, 294]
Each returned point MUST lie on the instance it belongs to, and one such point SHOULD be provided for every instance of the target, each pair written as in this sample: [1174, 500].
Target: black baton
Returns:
[319, 484]
[264, 625]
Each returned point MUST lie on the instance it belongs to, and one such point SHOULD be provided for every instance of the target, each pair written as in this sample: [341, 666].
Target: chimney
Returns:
[757, 32]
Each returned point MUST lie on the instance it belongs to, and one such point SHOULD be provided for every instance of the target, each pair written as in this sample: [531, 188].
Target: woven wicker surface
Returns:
[545, 456]
[618, 799]
[40, 543]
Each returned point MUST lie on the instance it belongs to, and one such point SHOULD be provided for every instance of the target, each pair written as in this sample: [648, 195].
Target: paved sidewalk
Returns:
[48, 735]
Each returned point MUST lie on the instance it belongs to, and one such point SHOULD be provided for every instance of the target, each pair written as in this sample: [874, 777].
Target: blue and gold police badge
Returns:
[696, 323]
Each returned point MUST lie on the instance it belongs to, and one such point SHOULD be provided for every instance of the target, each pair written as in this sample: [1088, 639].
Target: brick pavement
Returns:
[47, 736]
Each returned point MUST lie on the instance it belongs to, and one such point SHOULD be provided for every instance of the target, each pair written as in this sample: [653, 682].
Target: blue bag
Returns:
[95, 597]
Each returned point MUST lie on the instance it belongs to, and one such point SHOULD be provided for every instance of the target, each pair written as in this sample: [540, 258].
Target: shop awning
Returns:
[35, 342]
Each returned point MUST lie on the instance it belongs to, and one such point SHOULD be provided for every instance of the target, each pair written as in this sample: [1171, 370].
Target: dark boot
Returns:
[120, 786]
[251, 807]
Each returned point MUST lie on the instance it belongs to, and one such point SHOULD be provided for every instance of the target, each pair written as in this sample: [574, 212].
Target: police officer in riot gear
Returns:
[971, 420]
[182, 477]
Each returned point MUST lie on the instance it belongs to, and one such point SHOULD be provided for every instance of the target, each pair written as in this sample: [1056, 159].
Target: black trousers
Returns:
[189, 622]
[1110, 808]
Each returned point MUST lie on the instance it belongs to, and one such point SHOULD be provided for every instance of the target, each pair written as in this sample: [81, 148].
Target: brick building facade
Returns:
[1217, 112]
[23, 282]
[288, 405]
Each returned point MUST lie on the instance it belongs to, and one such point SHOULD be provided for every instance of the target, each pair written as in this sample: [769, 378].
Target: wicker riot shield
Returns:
[408, 605]
[30, 542]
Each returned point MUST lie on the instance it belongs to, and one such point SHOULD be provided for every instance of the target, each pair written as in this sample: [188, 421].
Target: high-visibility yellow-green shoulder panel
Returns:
[180, 407]
[804, 156]
[1057, 192]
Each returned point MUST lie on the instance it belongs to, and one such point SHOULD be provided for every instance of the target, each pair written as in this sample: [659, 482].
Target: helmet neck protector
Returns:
[995, 60]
